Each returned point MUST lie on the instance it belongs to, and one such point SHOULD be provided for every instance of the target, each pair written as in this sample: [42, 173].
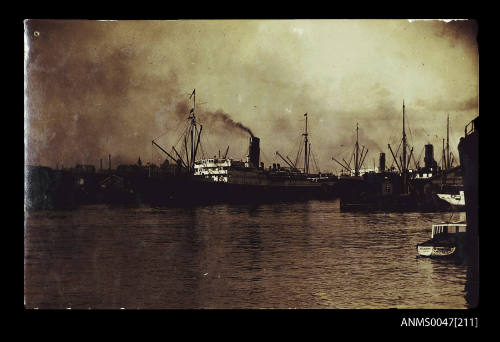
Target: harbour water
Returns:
[282, 255]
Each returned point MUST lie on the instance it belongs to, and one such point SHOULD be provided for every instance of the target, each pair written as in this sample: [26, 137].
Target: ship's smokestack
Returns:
[109, 159]
[254, 151]
[381, 162]
[101, 165]
[429, 157]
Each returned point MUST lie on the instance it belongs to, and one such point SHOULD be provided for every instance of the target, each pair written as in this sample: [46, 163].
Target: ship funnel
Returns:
[381, 162]
[429, 157]
[254, 151]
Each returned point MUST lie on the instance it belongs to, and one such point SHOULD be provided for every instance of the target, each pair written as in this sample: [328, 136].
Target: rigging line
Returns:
[297, 146]
[409, 128]
[179, 127]
[182, 135]
[160, 135]
[265, 156]
[390, 138]
[202, 151]
[208, 144]
[400, 143]
[152, 154]
[420, 155]
[354, 152]
[427, 134]
[349, 164]
[314, 160]
[298, 153]
[176, 130]
[300, 141]
[159, 155]
[396, 154]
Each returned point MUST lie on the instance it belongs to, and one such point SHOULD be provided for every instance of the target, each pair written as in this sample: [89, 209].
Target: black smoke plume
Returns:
[220, 116]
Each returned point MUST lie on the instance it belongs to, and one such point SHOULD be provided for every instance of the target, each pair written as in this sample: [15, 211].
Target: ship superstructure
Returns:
[227, 170]
[252, 172]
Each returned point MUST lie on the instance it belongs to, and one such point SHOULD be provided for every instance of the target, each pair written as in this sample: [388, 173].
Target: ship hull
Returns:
[456, 202]
[195, 190]
[436, 251]
[185, 190]
[383, 192]
[199, 191]
[392, 203]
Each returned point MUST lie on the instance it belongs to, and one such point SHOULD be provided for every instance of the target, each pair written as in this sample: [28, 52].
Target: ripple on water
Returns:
[281, 255]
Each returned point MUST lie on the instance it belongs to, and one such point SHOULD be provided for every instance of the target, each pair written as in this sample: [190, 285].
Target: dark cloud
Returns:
[457, 31]
[95, 88]
[89, 95]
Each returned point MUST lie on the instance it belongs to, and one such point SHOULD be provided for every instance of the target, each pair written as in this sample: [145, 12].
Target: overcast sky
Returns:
[95, 88]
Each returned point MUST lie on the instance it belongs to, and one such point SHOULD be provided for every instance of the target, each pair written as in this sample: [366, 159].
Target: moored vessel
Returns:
[216, 179]
[445, 239]
[389, 189]
[457, 201]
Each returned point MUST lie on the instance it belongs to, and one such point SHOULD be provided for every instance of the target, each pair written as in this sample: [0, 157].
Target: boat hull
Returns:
[436, 251]
[455, 202]
[194, 190]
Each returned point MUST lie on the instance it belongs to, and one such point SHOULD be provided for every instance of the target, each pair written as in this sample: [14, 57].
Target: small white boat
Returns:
[443, 240]
[457, 200]
[434, 251]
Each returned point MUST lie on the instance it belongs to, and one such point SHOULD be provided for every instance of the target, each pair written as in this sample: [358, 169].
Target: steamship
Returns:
[388, 190]
[209, 180]
[228, 179]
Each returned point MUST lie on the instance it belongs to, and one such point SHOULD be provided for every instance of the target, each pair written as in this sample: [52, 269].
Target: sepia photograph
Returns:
[251, 164]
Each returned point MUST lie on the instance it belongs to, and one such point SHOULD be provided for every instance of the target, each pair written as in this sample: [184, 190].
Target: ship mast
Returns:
[448, 143]
[193, 134]
[356, 162]
[359, 158]
[306, 155]
[404, 140]
[191, 140]
[443, 158]
[404, 168]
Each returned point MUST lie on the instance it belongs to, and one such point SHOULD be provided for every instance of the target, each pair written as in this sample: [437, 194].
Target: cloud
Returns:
[448, 104]
[95, 88]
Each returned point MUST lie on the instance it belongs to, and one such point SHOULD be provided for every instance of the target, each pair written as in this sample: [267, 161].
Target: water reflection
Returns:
[280, 255]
